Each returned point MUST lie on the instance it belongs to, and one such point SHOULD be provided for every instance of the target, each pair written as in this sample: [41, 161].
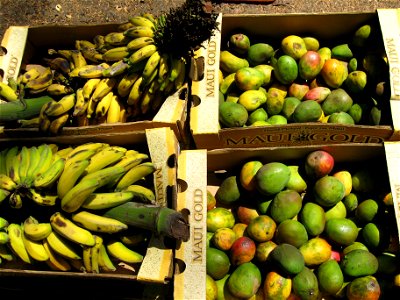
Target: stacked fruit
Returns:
[54, 204]
[302, 229]
[303, 79]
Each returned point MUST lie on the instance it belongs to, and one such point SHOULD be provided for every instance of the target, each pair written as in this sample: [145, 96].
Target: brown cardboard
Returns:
[204, 123]
[22, 43]
[157, 264]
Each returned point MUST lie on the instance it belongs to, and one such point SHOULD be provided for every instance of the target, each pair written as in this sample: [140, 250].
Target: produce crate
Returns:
[152, 278]
[22, 43]
[204, 115]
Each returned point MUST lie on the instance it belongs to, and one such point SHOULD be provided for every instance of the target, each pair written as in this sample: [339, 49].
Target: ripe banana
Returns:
[7, 183]
[79, 156]
[57, 89]
[70, 230]
[70, 176]
[163, 68]
[141, 21]
[116, 39]
[84, 44]
[139, 31]
[29, 123]
[92, 55]
[105, 263]
[105, 157]
[131, 160]
[115, 69]
[151, 66]
[106, 175]
[121, 252]
[142, 53]
[32, 73]
[114, 111]
[41, 198]
[15, 200]
[98, 223]
[94, 146]
[44, 120]
[62, 246]
[62, 106]
[135, 174]
[80, 103]
[145, 101]
[116, 54]
[103, 105]
[75, 197]
[48, 177]
[97, 201]
[87, 258]
[36, 231]
[141, 193]
[55, 262]
[103, 88]
[35, 249]
[125, 84]
[89, 87]
[59, 64]
[139, 42]
[58, 123]
[7, 93]
[135, 92]
[78, 59]
[41, 82]
[15, 233]
[93, 71]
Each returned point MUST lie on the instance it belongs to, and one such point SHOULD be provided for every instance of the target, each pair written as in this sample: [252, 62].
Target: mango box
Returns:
[204, 123]
[155, 273]
[21, 43]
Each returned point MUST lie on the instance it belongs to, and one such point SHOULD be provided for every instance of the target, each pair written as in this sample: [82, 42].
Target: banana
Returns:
[3, 153]
[80, 104]
[62, 106]
[141, 21]
[35, 249]
[121, 252]
[105, 157]
[106, 175]
[134, 174]
[117, 68]
[116, 39]
[4, 239]
[125, 83]
[180, 79]
[46, 158]
[91, 108]
[103, 88]
[62, 246]
[29, 123]
[98, 223]
[42, 199]
[15, 233]
[31, 74]
[15, 200]
[41, 82]
[133, 236]
[7, 93]
[44, 120]
[142, 53]
[105, 263]
[5, 253]
[93, 146]
[49, 176]
[139, 42]
[145, 101]
[87, 258]
[78, 59]
[141, 193]
[75, 197]
[135, 92]
[55, 262]
[99, 41]
[97, 201]
[10, 156]
[113, 113]
[60, 64]
[151, 65]
[95, 254]
[163, 68]
[4, 194]
[176, 68]
[94, 71]
[3, 223]
[124, 26]
[84, 154]
[24, 157]
[139, 31]
[36, 231]
[89, 87]
[116, 54]
[7, 183]
[92, 55]
[70, 230]
[151, 17]
[70, 176]
[64, 152]
[123, 113]
[103, 105]
[57, 124]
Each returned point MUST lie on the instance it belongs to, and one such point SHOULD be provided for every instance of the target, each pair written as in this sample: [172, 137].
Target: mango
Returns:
[257, 115]
[356, 81]
[228, 191]
[217, 263]
[356, 112]
[375, 115]
[341, 118]
[342, 52]
[247, 174]
[211, 288]
[277, 120]
[291, 232]
[336, 211]
[267, 71]
[318, 94]
[242, 251]
[285, 69]
[275, 98]
[334, 72]
[325, 53]
[232, 114]
[311, 43]
[272, 178]
[289, 105]
[307, 111]
[310, 64]
[261, 228]
[318, 163]
[239, 43]
[245, 213]
[359, 263]
[353, 246]
[264, 249]
[287, 258]
[365, 287]
[353, 64]
[252, 99]
[305, 285]
[223, 238]
[230, 63]
[285, 205]
[259, 53]
[361, 36]
[338, 100]
[219, 217]
[227, 84]
[330, 277]
[351, 202]
[298, 90]
[211, 201]
[328, 191]
[345, 177]
[276, 286]
[316, 251]
[294, 46]
[249, 78]
[312, 216]
[245, 280]
[341, 231]
[296, 181]
[232, 97]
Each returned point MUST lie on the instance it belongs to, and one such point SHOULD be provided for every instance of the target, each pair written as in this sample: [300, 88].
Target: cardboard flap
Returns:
[392, 150]
[190, 257]
[13, 43]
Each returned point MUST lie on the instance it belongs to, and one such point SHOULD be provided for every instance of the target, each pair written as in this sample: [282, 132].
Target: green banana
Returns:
[48, 177]
[134, 174]
[98, 201]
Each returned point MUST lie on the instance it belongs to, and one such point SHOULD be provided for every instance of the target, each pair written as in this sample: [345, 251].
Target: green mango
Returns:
[239, 43]
[338, 100]
[285, 69]
[259, 53]
[356, 81]
[267, 71]
[312, 44]
[341, 118]
[289, 105]
[342, 52]
[232, 114]
[249, 78]
[275, 98]
[361, 36]
[230, 63]
[307, 111]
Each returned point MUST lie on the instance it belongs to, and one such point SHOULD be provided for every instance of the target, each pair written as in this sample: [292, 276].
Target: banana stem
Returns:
[160, 220]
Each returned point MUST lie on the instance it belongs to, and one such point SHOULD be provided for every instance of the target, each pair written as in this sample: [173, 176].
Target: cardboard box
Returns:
[22, 43]
[204, 123]
[157, 266]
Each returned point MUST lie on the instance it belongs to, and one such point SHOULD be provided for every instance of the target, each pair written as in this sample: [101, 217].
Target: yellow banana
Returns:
[36, 231]
[42, 198]
[142, 53]
[44, 120]
[60, 64]
[64, 152]
[94, 146]
[24, 156]
[7, 93]
[116, 54]
[84, 44]
[99, 41]
[92, 55]
[31, 74]
[141, 21]
[163, 68]
[35, 249]
[41, 82]
[117, 68]
[103, 105]
[135, 92]
[125, 84]
[124, 26]
[49, 176]
[81, 155]
[141, 193]
[139, 31]
[123, 113]
[181, 78]
[94, 71]
[121, 252]
[91, 108]
[80, 103]
[15, 233]
[15, 200]
[86, 68]
[105, 157]
[145, 101]
[4, 194]
[89, 87]
[29, 123]
[98, 223]
[105, 175]
[70, 176]
[150, 17]
[75, 197]
[57, 124]
[151, 65]
[139, 42]
[113, 113]
[70, 230]
[87, 258]
[105, 263]
[103, 88]
[134, 174]
[116, 39]
[104, 200]
[62, 246]
[56, 262]
[78, 59]
[62, 106]
[7, 183]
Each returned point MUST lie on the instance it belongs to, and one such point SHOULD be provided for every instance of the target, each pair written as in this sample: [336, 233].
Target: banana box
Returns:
[26, 46]
[331, 30]
[152, 273]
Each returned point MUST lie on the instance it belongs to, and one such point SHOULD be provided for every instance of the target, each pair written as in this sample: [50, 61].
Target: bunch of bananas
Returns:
[69, 188]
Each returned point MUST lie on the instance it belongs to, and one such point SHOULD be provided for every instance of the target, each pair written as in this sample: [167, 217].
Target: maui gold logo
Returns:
[394, 61]
[197, 227]
[12, 70]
